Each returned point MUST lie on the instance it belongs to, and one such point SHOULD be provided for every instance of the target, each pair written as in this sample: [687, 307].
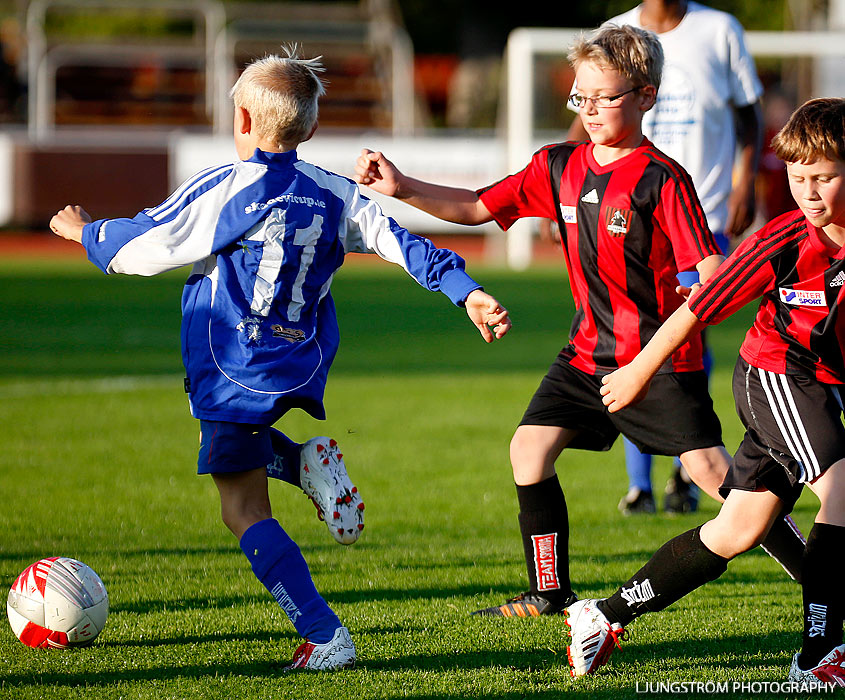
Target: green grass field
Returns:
[97, 462]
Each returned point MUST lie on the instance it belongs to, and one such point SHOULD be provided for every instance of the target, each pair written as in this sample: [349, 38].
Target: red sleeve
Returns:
[745, 276]
[681, 216]
[526, 193]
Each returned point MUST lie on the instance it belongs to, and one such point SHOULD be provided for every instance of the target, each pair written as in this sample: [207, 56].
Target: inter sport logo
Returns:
[568, 213]
[801, 297]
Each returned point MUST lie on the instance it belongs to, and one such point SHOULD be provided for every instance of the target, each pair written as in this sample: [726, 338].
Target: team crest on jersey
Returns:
[292, 335]
[801, 297]
[251, 328]
[618, 221]
[568, 214]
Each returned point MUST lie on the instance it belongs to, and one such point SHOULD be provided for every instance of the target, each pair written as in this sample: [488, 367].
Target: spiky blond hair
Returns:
[281, 93]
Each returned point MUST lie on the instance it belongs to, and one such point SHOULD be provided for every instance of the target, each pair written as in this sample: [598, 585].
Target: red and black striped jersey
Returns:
[801, 279]
[627, 228]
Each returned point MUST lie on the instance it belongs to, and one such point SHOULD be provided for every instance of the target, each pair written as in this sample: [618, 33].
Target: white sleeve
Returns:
[745, 85]
[368, 230]
[178, 232]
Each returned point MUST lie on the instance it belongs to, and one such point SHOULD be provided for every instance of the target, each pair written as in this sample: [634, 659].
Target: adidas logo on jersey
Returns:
[592, 197]
[839, 280]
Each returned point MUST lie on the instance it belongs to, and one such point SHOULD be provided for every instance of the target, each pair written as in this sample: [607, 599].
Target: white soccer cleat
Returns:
[332, 656]
[830, 670]
[593, 637]
[323, 476]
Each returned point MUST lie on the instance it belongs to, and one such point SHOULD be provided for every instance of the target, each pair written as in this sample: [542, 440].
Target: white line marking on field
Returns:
[21, 389]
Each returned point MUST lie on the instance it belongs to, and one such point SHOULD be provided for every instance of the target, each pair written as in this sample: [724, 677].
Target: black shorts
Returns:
[793, 431]
[675, 417]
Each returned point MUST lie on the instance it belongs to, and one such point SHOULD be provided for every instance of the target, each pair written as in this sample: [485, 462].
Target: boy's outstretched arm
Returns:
[69, 222]
[460, 206]
[707, 267]
[486, 313]
[629, 384]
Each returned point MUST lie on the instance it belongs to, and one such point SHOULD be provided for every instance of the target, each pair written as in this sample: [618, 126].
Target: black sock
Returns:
[677, 568]
[822, 582]
[785, 545]
[544, 523]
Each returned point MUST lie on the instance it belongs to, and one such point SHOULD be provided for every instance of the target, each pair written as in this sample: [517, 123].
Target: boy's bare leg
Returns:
[534, 449]
[783, 541]
[742, 522]
[707, 468]
[830, 490]
[244, 499]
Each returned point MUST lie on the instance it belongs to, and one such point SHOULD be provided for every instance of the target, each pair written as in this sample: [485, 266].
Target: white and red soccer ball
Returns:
[57, 603]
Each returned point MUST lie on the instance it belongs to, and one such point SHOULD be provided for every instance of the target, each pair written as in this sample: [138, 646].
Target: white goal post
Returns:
[525, 44]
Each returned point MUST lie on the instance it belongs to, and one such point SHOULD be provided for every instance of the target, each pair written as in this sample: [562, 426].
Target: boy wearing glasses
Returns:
[630, 220]
[708, 118]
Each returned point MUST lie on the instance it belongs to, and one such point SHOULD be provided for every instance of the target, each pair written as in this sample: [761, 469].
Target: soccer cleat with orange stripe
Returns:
[593, 637]
[526, 604]
[323, 476]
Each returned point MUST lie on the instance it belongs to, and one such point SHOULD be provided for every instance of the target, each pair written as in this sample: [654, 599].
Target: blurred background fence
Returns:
[111, 103]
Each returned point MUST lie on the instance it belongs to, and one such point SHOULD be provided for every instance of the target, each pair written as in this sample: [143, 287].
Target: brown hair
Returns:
[634, 53]
[815, 130]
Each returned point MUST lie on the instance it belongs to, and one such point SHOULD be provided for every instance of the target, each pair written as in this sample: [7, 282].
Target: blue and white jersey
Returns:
[265, 236]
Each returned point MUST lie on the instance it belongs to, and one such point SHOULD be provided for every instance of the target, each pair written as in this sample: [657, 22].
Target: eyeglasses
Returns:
[579, 101]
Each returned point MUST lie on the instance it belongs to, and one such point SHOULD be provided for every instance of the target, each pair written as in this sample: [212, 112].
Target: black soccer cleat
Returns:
[681, 495]
[527, 604]
[636, 502]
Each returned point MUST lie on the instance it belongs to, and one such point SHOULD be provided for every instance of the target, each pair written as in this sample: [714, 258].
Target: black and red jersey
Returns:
[627, 229]
[801, 279]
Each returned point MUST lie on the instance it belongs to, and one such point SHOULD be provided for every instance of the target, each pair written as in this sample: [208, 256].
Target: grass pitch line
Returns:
[19, 389]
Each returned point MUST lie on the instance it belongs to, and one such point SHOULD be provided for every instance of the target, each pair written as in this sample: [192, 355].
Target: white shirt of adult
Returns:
[707, 71]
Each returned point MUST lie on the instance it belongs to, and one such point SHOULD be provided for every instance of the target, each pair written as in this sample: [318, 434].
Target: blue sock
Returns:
[638, 465]
[280, 566]
[285, 466]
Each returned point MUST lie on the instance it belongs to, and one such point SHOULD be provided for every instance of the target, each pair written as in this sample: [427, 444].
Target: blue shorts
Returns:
[233, 447]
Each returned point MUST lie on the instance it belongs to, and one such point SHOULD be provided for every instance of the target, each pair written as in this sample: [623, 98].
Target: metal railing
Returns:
[211, 46]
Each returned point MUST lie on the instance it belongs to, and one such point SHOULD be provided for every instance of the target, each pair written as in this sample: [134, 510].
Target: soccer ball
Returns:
[57, 603]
